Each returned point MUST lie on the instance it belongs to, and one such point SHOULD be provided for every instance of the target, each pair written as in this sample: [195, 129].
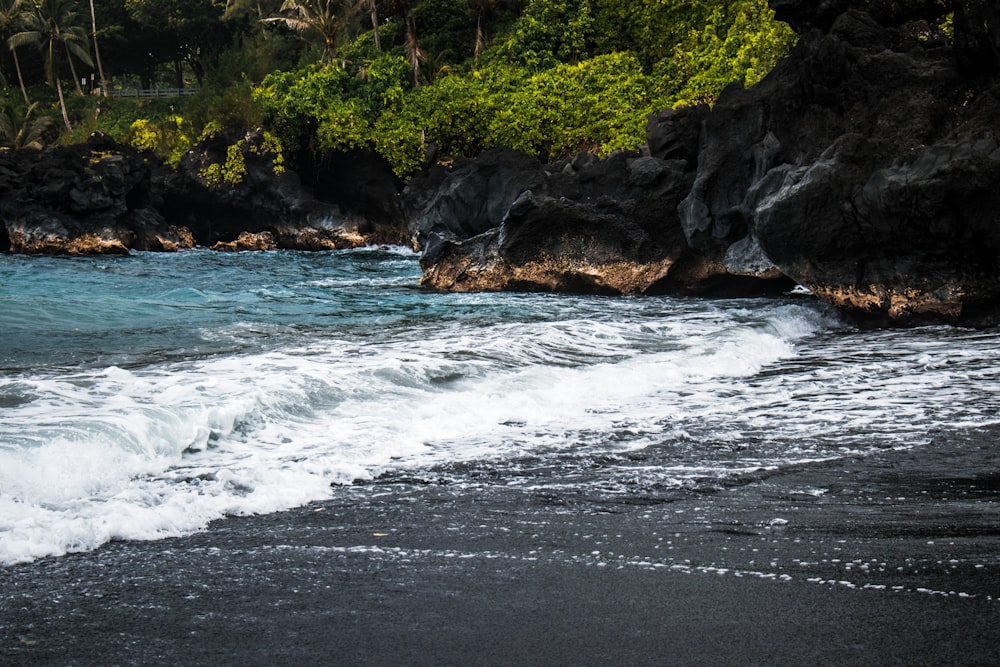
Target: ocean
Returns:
[143, 397]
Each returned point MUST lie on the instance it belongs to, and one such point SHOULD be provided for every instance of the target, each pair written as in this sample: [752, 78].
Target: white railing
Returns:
[153, 92]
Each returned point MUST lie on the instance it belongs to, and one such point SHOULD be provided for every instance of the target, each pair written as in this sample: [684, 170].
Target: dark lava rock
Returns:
[101, 197]
[92, 198]
[865, 165]
[362, 184]
[504, 221]
[264, 199]
[468, 197]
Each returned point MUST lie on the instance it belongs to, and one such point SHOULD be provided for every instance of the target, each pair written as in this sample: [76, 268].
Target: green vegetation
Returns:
[549, 77]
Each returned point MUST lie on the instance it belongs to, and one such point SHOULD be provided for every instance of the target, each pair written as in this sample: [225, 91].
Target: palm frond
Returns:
[79, 53]
[26, 38]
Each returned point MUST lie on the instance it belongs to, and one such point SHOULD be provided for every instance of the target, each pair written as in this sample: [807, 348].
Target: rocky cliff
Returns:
[866, 167]
[504, 221]
[101, 197]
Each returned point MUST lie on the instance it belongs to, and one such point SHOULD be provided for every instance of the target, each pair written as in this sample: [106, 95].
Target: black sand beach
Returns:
[888, 559]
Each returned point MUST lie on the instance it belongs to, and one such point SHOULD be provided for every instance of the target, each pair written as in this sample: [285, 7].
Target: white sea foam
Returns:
[120, 454]
[164, 448]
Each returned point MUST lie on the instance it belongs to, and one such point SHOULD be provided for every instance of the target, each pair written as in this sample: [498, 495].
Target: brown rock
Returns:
[248, 241]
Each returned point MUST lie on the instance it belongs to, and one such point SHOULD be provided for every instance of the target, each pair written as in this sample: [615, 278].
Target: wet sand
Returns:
[888, 559]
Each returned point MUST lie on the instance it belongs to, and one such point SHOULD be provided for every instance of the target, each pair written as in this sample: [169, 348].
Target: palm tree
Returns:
[406, 9]
[373, 8]
[414, 53]
[328, 18]
[21, 131]
[97, 52]
[11, 14]
[481, 8]
[52, 23]
[485, 11]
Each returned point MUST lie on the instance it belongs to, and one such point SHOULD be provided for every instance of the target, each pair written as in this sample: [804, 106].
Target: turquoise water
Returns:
[144, 396]
[89, 312]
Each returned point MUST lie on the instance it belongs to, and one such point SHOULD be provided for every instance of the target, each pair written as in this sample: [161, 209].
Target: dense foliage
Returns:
[405, 78]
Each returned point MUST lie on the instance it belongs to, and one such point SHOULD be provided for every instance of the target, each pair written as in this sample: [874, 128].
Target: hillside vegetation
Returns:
[409, 79]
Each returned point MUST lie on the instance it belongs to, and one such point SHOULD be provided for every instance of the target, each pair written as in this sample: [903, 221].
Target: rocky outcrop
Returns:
[253, 195]
[87, 199]
[507, 222]
[248, 241]
[866, 165]
[104, 198]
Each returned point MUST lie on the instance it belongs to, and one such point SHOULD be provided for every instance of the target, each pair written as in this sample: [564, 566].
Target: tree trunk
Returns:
[62, 105]
[413, 52]
[97, 52]
[480, 37]
[378, 42]
[72, 70]
[197, 69]
[20, 79]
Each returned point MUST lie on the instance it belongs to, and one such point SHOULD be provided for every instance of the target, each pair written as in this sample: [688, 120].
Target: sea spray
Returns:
[195, 386]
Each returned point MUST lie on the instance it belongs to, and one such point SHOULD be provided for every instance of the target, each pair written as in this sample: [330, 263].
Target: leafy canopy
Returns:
[409, 79]
[564, 76]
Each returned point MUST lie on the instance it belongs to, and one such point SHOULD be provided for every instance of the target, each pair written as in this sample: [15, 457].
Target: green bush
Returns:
[550, 32]
[740, 44]
[168, 137]
[599, 105]
[332, 107]
[454, 114]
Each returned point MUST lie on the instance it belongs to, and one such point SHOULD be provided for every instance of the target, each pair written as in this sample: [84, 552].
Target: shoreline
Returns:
[889, 558]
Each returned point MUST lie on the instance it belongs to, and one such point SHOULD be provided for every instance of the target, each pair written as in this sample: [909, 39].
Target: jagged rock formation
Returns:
[274, 202]
[866, 165]
[86, 199]
[103, 198]
[504, 221]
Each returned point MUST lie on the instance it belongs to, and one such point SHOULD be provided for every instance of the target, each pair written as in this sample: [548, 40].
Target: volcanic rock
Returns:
[506, 222]
[92, 198]
[101, 197]
[865, 165]
[251, 202]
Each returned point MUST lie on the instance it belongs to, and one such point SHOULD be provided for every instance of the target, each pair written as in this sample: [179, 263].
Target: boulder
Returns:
[553, 244]
[248, 241]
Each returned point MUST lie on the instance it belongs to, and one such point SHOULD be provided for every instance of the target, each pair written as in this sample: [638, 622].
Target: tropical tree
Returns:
[327, 18]
[182, 33]
[54, 24]
[97, 51]
[21, 130]
[481, 8]
[372, 7]
[11, 14]
[414, 53]
[406, 9]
